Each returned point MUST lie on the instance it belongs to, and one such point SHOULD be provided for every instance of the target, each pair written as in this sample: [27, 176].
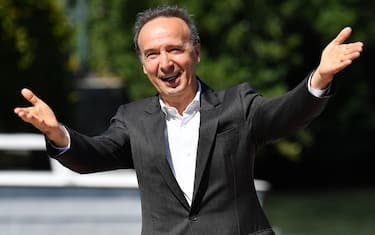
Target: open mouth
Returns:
[170, 78]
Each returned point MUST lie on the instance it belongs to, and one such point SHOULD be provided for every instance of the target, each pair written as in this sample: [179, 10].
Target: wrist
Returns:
[319, 81]
[59, 136]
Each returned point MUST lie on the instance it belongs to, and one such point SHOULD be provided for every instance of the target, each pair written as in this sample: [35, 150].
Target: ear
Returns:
[144, 69]
[197, 51]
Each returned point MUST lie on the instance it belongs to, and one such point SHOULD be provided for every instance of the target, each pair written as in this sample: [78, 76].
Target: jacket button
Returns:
[193, 218]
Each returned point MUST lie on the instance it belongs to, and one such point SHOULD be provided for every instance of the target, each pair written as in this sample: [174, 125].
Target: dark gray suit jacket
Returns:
[233, 123]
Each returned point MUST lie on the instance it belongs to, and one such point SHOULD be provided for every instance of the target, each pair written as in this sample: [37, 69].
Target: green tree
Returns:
[271, 44]
[35, 49]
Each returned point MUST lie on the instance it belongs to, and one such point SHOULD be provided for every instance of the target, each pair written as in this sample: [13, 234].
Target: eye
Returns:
[176, 50]
[151, 55]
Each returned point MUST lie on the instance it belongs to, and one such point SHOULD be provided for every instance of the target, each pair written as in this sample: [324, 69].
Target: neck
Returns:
[181, 102]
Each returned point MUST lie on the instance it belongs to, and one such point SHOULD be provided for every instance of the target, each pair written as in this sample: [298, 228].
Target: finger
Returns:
[351, 56]
[354, 47]
[343, 35]
[23, 110]
[17, 110]
[23, 114]
[30, 96]
[27, 115]
[353, 51]
[344, 64]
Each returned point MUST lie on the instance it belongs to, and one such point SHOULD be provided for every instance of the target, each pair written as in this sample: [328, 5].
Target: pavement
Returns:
[73, 211]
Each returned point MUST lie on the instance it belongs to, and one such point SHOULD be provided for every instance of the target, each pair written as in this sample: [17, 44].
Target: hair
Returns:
[164, 11]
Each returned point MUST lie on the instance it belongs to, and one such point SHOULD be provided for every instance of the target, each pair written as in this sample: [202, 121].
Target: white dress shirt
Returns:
[181, 138]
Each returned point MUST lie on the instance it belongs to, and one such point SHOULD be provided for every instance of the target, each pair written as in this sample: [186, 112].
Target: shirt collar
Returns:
[191, 109]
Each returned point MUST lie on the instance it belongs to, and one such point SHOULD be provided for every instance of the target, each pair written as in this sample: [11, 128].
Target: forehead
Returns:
[163, 28]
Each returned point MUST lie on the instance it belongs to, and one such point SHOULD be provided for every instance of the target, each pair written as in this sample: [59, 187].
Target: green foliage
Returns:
[35, 42]
[271, 44]
[324, 212]
[110, 42]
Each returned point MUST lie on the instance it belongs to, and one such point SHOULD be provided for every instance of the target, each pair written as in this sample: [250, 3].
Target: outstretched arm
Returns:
[335, 57]
[41, 116]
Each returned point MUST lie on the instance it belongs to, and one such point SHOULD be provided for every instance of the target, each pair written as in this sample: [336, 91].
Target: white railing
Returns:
[60, 176]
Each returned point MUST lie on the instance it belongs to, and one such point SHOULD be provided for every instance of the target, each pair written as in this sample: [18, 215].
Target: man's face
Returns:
[169, 58]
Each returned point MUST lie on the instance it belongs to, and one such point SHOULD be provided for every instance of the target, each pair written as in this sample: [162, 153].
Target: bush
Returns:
[35, 48]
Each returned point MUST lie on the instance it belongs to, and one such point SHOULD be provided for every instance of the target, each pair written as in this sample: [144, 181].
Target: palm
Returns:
[40, 115]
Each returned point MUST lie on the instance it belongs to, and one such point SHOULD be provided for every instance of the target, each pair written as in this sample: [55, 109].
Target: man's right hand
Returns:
[41, 116]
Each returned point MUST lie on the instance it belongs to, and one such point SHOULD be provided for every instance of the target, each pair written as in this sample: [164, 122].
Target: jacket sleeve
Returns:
[281, 116]
[109, 151]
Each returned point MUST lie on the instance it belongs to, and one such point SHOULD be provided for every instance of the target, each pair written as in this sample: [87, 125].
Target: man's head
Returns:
[168, 46]
[164, 11]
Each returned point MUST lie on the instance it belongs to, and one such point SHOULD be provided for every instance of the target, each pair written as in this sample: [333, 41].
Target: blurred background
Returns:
[78, 56]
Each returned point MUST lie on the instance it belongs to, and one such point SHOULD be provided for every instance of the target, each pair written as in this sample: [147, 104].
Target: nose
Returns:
[166, 64]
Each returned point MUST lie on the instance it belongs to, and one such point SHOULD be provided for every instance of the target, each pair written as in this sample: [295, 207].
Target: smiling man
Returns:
[169, 58]
[193, 148]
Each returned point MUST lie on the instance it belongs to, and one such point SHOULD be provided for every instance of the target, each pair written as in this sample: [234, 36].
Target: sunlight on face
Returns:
[169, 58]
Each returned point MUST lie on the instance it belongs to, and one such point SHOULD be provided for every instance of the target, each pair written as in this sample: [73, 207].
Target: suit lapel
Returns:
[208, 125]
[154, 124]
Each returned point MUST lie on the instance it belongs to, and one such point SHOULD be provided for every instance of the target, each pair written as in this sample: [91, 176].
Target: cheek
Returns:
[147, 70]
[154, 83]
[150, 68]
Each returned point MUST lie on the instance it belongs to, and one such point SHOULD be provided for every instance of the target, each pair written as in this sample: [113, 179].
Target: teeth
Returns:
[170, 78]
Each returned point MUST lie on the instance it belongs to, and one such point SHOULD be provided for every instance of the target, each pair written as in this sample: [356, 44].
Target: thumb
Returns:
[343, 35]
[29, 96]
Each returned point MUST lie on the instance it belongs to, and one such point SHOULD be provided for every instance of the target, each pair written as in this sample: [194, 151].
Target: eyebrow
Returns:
[179, 46]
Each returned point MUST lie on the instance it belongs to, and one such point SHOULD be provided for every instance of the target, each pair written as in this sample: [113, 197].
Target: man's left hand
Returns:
[335, 57]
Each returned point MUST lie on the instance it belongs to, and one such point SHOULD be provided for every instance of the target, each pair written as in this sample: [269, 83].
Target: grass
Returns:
[341, 212]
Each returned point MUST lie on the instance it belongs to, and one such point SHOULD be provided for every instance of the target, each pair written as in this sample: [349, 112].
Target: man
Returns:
[192, 148]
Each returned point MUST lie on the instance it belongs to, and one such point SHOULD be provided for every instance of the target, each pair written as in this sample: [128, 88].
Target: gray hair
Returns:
[164, 11]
